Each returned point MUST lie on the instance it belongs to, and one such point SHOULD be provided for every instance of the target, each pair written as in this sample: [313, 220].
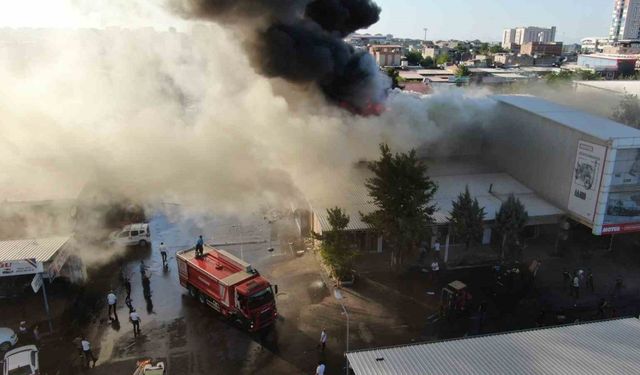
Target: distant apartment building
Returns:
[387, 55]
[541, 49]
[434, 51]
[593, 44]
[522, 35]
[625, 24]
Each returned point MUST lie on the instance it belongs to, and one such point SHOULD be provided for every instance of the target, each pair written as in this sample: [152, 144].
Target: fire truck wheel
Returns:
[193, 292]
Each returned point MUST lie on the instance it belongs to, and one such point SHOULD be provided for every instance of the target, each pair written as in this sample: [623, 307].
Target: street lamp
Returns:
[338, 295]
[239, 226]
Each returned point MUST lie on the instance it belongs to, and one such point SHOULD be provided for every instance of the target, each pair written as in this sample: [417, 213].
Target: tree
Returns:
[335, 249]
[510, 221]
[403, 195]
[588, 75]
[443, 59]
[496, 48]
[413, 57]
[462, 71]
[427, 62]
[395, 77]
[467, 218]
[564, 76]
[628, 111]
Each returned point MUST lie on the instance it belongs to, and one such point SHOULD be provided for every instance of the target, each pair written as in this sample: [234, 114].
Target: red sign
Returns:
[620, 228]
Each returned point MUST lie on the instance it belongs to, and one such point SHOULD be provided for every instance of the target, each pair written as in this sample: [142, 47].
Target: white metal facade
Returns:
[600, 348]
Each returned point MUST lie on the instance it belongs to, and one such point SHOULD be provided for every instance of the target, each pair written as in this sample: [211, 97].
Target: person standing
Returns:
[88, 354]
[590, 284]
[129, 302]
[111, 301]
[320, 368]
[323, 340]
[23, 331]
[199, 246]
[436, 249]
[163, 253]
[135, 320]
[127, 286]
[575, 286]
[435, 270]
[143, 268]
[36, 336]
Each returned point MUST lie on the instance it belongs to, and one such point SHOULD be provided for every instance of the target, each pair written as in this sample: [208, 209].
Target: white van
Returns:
[21, 361]
[132, 235]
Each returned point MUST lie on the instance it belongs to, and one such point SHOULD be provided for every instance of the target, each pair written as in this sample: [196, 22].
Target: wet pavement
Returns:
[192, 338]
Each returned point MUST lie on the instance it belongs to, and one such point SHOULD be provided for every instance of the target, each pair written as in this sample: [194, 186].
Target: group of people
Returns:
[577, 280]
[25, 336]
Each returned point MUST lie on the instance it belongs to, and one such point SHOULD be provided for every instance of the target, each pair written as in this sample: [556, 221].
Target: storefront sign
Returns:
[20, 267]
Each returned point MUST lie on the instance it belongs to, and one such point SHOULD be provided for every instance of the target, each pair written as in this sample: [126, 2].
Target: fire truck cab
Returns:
[228, 285]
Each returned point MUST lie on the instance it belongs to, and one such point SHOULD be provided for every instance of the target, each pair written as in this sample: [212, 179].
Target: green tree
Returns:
[510, 221]
[462, 71]
[427, 62]
[496, 48]
[443, 59]
[413, 57]
[628, 111]
[335, 249]
[467, 218]
[403, 195]
[395, 77]
[588, 75]
[564, 76]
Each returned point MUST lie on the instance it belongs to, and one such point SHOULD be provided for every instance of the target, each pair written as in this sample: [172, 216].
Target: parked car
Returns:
[132, 235]
[21, 361]
[8, 338]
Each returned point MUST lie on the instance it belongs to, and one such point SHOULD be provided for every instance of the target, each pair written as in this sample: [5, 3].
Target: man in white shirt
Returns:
[111, 301]
[163, 253]
[436, 249]
[135, 320]
[320, 368]
[88, 354]
[435, 269]
[323, 340]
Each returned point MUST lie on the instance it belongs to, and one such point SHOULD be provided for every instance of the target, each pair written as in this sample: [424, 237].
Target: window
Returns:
[123, 234]
[134, 233]
[260, 298]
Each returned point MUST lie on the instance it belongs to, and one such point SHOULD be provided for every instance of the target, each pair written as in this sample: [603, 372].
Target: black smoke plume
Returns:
[302, 41]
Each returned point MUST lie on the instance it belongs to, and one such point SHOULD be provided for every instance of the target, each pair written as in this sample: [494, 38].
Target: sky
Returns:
[485, 19]
[445, 19]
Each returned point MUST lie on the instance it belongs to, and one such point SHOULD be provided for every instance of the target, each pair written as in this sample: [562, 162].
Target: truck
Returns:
[229, 285]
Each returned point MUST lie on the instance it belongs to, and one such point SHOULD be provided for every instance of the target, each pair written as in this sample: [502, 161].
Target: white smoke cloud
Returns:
[182, 117]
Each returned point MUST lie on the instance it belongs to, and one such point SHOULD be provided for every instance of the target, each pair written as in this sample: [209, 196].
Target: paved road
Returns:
[191, 338]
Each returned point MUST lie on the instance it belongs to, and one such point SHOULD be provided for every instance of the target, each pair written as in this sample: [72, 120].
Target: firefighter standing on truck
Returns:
[200, 247]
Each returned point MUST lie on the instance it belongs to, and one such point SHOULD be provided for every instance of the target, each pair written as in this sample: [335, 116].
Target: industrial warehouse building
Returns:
[559, 161]
[599, 348]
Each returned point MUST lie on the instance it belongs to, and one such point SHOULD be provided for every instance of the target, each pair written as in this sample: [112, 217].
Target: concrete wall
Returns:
[536, 151]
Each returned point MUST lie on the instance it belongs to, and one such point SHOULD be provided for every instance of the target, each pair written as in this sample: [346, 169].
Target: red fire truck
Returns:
[228, 285]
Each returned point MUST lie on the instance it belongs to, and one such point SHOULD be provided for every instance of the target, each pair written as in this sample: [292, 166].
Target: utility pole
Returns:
[338, 295]
[425, 34]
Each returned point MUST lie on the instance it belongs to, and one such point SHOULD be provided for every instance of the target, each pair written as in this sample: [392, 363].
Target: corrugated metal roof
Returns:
[600, 348]
[501, 185]
[598, 127]
[42, 249]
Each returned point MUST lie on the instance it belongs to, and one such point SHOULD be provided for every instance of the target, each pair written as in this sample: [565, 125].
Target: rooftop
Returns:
[42, 249]
[616, 87]
[451, 176]
[221, 265]
[600, 348]
[595, 126]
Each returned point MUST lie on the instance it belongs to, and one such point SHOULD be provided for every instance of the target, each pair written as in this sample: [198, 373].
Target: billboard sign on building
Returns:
[586, 180]
[20, 267]
[623, 203]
